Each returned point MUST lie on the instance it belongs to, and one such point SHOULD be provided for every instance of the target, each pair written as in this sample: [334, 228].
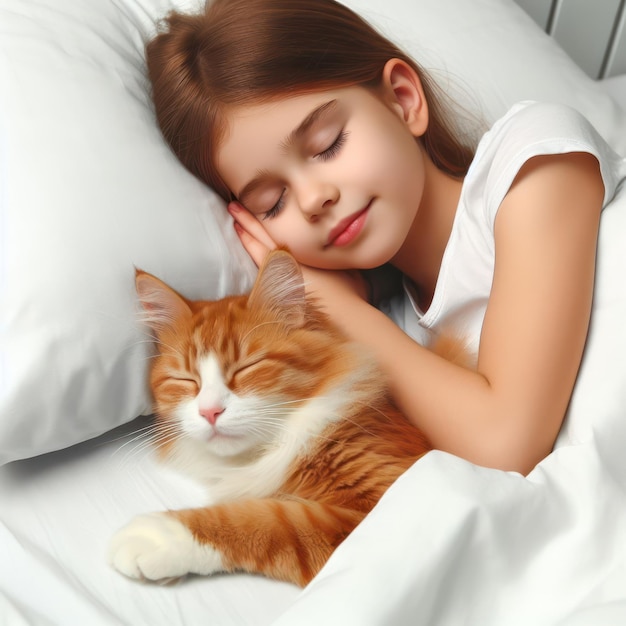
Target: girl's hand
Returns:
[327, 285]
[332, 287]
[252, 235]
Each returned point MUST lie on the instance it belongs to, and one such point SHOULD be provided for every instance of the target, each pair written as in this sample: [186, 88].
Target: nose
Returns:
[315, 197]
[211, 413]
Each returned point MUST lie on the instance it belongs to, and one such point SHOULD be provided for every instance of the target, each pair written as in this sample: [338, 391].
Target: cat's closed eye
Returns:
[245, 369]
[186, 384]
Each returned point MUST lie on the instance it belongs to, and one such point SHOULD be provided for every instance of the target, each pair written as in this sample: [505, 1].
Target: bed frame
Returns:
[592, 33]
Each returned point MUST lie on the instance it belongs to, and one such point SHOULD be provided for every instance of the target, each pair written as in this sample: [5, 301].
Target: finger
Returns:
[256, 249]
[250, 224]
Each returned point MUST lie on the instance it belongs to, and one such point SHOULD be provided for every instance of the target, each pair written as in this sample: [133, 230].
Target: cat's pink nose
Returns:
[211, 413]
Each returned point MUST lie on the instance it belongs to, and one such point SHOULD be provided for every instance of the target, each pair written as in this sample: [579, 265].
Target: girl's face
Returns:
[337, 176]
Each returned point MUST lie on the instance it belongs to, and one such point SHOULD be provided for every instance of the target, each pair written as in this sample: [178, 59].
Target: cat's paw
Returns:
[157, 547]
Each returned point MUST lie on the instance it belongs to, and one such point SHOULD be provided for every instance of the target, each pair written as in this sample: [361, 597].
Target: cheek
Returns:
[400, 180]
[395, 160]
[188, 415]
[276, 228]
[290, 229]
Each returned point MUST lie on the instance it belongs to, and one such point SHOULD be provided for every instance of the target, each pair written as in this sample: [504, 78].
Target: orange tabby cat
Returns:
[286, 421]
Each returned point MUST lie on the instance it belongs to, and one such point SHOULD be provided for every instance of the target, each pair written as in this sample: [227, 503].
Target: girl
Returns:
[323, 136]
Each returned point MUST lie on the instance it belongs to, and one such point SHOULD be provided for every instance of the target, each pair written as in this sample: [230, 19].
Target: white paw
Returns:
[158, 547]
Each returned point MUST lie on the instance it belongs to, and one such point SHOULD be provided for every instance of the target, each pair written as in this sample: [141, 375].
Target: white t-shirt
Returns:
[464, 283]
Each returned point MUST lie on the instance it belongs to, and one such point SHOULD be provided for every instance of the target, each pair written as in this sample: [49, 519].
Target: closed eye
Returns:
[334, 148]
[244, 367]
[327, 154]
[182, 385]
[275, 210]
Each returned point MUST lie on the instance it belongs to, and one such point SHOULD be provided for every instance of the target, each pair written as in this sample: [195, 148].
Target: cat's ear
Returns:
[279, 287]
[162, 306]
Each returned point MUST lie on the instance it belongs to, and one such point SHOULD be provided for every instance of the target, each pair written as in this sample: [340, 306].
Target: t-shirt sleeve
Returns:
[534, 129]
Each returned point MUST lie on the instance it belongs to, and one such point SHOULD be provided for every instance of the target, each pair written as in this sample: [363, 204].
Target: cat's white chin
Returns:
[222, 440]
[225, 445]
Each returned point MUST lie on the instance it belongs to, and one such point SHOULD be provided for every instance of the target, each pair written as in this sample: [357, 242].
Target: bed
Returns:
[88, 191]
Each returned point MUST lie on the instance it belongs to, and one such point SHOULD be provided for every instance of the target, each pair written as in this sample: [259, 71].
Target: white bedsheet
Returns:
[450, 543]
[57, 514]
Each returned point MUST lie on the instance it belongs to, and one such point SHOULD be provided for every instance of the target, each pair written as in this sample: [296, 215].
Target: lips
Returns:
[348, 229]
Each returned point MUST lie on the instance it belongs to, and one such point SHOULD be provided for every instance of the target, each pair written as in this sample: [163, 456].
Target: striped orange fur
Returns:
[288, 423]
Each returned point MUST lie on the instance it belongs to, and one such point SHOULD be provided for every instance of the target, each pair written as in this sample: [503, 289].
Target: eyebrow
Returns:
[303, 128]
[309, 121]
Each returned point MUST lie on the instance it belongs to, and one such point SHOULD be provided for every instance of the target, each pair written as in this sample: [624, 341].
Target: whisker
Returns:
[125, 435]
[146, 438]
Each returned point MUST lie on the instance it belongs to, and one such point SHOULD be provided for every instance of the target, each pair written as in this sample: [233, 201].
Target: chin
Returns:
[227, 446]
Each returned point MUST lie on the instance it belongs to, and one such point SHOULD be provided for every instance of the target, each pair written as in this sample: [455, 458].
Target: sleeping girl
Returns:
[325, 137]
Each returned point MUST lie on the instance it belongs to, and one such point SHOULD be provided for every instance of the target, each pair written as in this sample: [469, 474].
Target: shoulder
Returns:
[531, 129]
[529, 122]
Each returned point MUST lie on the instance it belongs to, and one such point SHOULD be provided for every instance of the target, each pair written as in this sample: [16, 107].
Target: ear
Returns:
[403, 90]
[163, 307]
[279, 287]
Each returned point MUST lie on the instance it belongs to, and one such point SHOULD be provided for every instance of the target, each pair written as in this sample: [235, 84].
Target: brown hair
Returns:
[241, 52]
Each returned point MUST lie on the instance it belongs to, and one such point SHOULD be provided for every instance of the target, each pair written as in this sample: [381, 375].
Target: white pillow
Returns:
[489, 54]
[88, 190]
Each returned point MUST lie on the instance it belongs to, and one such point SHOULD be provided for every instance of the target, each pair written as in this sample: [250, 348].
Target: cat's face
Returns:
[231, 374]
[202, 397]
[232, 379]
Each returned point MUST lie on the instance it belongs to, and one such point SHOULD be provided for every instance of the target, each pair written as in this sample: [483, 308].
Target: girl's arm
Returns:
[507, 413]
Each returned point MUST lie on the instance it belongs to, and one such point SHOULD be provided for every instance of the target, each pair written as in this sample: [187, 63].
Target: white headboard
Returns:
[592, 33]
